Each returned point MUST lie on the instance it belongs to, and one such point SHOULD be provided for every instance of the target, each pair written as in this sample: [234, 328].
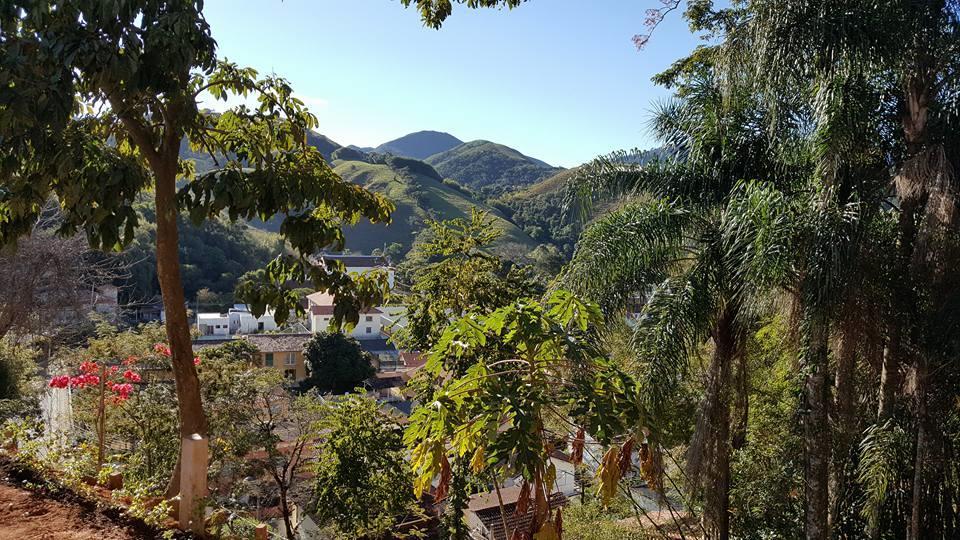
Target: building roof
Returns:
[328, 310]
[377, 345]
[486, 506]
[368, 261]
[271, 343]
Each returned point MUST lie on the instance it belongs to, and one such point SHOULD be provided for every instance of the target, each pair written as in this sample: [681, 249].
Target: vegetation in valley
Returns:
[489, 167]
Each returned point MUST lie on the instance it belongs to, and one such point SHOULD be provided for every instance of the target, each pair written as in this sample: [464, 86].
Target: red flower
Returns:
[162, 349]
[60, 381]
[196, 360]
[89, 367]
[131, 375]
[130, 360]
[114, 369]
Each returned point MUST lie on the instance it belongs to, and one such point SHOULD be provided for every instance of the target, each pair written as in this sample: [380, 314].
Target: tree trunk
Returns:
[816, 426]
[709, 459]
[919, 469]
[285, 507]
[844, 423]
[192, 419]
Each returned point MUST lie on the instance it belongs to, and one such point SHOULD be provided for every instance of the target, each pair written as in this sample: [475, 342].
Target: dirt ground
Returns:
[25, 515]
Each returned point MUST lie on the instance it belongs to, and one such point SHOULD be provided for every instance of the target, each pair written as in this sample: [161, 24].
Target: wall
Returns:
[279, 359]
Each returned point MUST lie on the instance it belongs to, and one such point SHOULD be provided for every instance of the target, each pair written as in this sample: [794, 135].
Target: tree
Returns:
[336, 363]
[97, 101]
[286, 426]
[515, 383]
[49, 282]
[363, 483]
[454, 273]
[434, 12]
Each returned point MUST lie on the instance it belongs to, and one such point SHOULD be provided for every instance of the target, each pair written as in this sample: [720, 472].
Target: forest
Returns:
[751, 332]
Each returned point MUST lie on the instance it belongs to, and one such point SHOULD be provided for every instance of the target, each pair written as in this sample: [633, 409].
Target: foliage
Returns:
[489, 167]
[363, 484]
[434, 12]
[420, 195]
[18, 371]
[336, 363]
[455, 273]
[215, 255]
[594, 522]
[540, 363]
[285, 426]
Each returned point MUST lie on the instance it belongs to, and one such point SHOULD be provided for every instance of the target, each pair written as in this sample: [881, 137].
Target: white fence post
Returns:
[193, 483]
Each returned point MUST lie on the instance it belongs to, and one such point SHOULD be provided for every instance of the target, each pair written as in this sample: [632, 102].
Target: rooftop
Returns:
[270, 343]
[362, 261]
[486, 506]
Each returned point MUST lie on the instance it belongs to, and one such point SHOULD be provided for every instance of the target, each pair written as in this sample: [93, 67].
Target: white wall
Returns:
[365, 329]
[243, 322]
[213, 324]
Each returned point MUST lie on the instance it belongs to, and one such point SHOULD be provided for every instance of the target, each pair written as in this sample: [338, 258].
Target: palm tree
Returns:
[905, 54]
[684, 240]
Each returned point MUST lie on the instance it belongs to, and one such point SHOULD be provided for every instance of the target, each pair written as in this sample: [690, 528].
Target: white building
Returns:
[213, 324]
[243, 322]
[368, 327]
[238, 320]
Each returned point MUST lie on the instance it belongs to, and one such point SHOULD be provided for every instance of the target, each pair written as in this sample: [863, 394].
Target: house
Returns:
[237, 320]
[283, 352]
[485, 521]
[384, 353]
[242, 321]
[369, 326]
[213, 324]
[565, 481]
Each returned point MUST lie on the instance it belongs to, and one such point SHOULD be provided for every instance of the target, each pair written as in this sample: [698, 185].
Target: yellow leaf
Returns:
[479, 460]
[609, 475]
[550, 477]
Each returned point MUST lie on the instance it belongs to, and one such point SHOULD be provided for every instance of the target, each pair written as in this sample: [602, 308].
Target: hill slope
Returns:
[491, 167]
[419, 145]
[419, 195]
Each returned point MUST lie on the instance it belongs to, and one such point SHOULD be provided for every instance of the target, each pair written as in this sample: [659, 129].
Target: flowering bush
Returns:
[90, 377]
[165, 351]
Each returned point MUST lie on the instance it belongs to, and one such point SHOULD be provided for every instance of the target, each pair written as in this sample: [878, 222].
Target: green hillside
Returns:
[419, 145]
[419, 195]
[490, 167]
[213, 255]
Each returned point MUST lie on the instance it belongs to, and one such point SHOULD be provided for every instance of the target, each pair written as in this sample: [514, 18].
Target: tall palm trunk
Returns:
[709, 460]
[816, 434]
[844, 423]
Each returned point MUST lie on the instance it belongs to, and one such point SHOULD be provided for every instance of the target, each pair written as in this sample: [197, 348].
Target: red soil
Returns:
[25, 515]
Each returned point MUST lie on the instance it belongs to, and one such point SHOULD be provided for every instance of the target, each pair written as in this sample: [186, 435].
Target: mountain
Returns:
[419, 194]
[323, 144]
[491, 167]
[419, 145]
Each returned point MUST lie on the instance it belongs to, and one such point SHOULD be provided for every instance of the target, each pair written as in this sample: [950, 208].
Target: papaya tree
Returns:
[518, 383]
[97, 99]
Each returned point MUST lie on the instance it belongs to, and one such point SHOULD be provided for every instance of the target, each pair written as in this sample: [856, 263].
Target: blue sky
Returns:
[559, 80]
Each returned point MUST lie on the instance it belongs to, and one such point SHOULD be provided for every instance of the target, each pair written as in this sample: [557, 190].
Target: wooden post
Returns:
[193, 483]
[115, 481]
[260, 532]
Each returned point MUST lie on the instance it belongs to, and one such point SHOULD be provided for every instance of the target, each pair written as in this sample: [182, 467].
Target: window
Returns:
[260, 326]
[369, 318]
[268, 359]
[290, 360]
[369, 330]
